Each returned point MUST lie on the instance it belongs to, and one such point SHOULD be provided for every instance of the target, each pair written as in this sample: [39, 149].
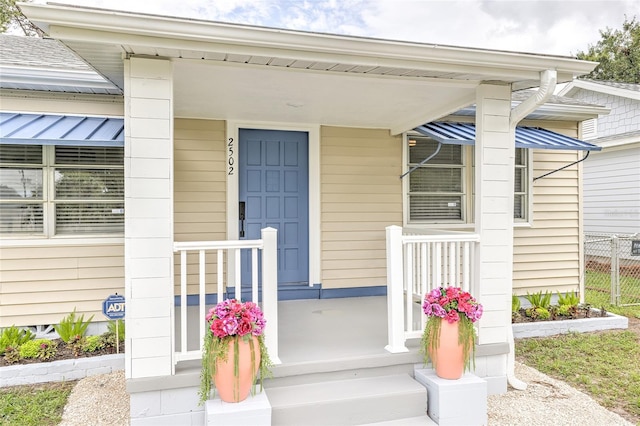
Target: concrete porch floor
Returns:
[312, 330]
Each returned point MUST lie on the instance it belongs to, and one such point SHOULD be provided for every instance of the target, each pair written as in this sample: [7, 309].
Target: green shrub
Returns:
[47, 350]
[538, 313]
[14, 337]
[515, 307]
[92, 343]
[11, 354]
[569, 299]
[72, 328]
[515, 304]
[543, 313]
[111, 327]
[34, 348]
[539, 300]
[565, 310]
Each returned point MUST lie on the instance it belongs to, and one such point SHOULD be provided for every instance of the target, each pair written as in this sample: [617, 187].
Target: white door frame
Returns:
[232, 143]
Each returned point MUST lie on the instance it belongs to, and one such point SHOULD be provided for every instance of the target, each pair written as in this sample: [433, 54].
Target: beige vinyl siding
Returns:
[360, 194]
[41, 285]
[547, 254]
[200, 191]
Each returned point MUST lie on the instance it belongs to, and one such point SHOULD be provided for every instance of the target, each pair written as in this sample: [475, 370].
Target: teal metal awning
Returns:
[51, 129]
[526, 137]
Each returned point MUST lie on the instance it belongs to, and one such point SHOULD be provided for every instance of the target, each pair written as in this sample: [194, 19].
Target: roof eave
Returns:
[124, 27]
[560, 112]
[79, 79]
[572, 87]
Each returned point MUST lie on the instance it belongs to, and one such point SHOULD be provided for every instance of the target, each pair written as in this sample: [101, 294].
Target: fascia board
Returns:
[572, 112]
[183, 32]
[66, 34]
[601, 88]
[626, 140]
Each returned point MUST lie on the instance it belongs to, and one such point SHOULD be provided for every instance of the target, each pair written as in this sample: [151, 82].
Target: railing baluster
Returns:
[409, 286]
[439, 246]
[220, 273]
[424, 261]
[254, 275]
[183, 301]
[203, 293]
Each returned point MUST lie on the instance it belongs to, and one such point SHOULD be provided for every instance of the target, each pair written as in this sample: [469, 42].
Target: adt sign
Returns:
[113, 307]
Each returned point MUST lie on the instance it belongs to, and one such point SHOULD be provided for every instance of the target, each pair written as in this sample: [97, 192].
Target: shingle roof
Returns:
[38, 53]
[627, 86]
[33, 63]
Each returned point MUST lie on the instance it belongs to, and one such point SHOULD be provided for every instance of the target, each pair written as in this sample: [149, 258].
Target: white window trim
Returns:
[60, 241]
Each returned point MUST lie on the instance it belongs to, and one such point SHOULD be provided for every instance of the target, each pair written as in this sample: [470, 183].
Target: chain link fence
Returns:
[612, 269]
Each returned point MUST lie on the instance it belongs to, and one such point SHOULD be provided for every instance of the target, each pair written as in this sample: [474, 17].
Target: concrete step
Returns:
[355, 401]
[408, 421]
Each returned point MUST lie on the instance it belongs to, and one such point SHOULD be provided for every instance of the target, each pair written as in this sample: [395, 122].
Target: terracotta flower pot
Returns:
[448, 358]
[233, 380]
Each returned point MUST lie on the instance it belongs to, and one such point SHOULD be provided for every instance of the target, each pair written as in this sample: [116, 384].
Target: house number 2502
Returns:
[230, 160]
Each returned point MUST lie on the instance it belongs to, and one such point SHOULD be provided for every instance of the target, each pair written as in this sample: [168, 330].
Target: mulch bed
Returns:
[580, 313]
[64, 352]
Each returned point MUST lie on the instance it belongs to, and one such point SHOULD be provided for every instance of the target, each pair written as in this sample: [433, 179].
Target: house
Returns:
[611, 176]
[354, 149]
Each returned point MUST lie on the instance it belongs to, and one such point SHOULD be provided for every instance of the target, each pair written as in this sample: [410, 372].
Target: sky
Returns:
[557, 27]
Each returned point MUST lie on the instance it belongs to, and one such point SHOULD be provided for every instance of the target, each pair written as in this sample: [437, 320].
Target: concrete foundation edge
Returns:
[60, 371]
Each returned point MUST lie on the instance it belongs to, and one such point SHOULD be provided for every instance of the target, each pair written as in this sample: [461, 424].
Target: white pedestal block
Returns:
[455, 402]
[253, 411]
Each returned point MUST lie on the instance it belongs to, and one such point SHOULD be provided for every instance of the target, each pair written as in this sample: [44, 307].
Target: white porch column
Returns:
[494, 186]
[148, 216]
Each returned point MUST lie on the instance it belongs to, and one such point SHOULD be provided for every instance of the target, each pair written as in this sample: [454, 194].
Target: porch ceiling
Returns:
[240, 72]
[259, 93]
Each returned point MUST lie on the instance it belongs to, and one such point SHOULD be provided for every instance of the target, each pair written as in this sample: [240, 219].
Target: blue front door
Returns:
[273, 186]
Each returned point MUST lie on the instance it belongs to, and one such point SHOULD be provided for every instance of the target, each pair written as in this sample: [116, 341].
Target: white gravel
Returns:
[98, 400]
[547, 401]
[103, 400]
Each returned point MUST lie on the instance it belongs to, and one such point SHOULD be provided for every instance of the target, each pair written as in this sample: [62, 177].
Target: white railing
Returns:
[417, 262]
[268, 246]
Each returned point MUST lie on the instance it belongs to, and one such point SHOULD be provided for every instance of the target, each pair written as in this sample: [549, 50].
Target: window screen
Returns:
[21, 189]
[72, 189]
[436, 190]
[88, 199]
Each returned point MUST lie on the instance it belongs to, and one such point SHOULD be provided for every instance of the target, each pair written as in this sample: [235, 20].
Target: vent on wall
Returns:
[589, 129]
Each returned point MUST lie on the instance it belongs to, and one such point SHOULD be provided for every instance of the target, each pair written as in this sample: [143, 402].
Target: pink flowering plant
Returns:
[453, 305]
[229, 321]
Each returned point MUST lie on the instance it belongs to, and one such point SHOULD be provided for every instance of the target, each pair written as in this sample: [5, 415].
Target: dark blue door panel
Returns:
[274, 182]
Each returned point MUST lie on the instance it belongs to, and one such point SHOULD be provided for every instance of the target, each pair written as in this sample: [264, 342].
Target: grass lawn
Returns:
[605, 365]
[598, 289]
[34, 405]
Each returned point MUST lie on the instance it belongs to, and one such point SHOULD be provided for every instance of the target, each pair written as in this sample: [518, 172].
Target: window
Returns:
[437, 189]
[61, 190]
[521, 185]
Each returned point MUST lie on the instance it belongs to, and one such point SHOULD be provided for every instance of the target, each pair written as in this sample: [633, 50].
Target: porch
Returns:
[345, 360]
